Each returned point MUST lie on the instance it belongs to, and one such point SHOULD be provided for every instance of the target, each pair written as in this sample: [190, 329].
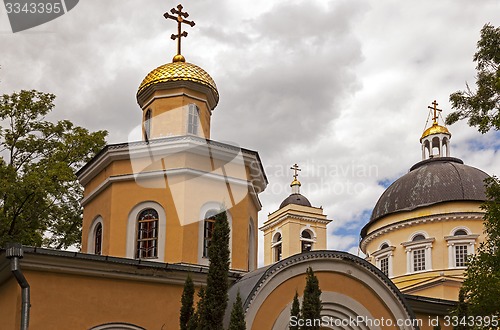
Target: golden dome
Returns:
[295, 182]
[435, 129]
[179, 71]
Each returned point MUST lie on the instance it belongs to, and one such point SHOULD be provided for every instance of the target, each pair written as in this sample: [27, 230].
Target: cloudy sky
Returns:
[340, 87]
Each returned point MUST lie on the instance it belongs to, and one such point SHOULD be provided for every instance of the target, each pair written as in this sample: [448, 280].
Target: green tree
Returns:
[311, 304]
[215, 300]
[237, 321]
[187, 300]
[481, 287]
[437, 327]
[39, 193]
[482, 106]
[194, 321]
[461, 312]
[295, 310]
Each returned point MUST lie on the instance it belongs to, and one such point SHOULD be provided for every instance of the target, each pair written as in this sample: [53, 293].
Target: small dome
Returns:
[297, 199]
[429, 182]
[435, 129]
[177, 72]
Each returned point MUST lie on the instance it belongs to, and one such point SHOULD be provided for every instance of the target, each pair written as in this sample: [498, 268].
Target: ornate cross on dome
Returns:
[180, 18]
[435, 104]
[296, 171]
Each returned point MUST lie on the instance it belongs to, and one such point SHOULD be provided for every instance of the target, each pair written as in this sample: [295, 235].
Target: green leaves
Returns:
[481, 107]
[39, 193]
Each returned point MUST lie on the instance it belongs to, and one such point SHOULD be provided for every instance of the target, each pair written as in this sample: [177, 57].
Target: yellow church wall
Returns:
[81, 302]
[100, 206]
[169, 117]
[329, 282]
[10, 309]
[441, 208]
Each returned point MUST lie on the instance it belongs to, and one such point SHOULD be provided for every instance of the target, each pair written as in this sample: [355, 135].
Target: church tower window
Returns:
[147, 234]
[460, 246]
[277, 247]
[98, 239]
[383, 258]
[307, 241]
[147, 125]
[208, 230]
[418, 251]
[193, 119]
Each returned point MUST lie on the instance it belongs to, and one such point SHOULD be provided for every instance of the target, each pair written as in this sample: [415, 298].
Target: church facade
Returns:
[148, 217]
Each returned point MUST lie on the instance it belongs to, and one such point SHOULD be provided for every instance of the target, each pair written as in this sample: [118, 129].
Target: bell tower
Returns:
[295, 227]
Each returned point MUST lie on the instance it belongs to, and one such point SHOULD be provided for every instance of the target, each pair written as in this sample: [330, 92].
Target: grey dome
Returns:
[431, 181]
[295, 199]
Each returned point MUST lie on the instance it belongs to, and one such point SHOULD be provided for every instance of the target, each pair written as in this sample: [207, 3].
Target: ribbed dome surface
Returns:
[295, 199]
[430, 182]
[178, 71]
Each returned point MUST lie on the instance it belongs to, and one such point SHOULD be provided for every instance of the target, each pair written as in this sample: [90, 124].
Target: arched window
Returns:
[307, 241]
[208, 230]
[460, 247]
[418, 237]
[277, 251]
[419, 252]
[384, 246]
[193, 119]
[147, 125]
[147, 234]
[460, 232]
[98, 239]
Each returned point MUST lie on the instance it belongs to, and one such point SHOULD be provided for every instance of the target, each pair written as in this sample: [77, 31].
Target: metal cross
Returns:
[180, 18]
[296, 170]
[435, 104]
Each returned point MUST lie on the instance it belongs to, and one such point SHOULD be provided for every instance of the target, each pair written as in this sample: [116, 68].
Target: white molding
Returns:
[132, 229]
[294, 216]
[165, 96]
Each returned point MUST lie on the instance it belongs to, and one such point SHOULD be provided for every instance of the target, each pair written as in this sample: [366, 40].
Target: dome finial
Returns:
[436, 110]
[180, 18]
[435, 139]
[295, 183]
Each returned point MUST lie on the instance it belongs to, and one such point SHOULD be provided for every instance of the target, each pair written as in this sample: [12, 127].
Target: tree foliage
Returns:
[237, 321]
[39, 193]
[311, 304]
[187, 301]
[295, 310]
[194, 322]
[481, 287]
[215, 300]
[482, 106]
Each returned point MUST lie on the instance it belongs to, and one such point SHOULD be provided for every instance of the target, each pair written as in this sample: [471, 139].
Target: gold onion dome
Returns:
[179, 71]
[435, 129]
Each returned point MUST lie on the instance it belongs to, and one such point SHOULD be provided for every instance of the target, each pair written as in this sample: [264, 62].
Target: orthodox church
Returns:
[148, 218]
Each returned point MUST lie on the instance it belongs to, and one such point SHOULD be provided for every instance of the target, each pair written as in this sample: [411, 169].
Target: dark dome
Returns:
[432, 181]
[295, 199]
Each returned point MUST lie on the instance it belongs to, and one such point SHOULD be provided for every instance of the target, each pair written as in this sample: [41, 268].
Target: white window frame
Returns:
[201, 231]
[275, 244]
[311, 240]
[411, 246]
[193, 111]
[385, 253]
[452, 241]
[132, 230]
[91, 235]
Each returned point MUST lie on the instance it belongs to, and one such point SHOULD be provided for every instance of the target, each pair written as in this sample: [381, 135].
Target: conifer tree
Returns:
[237, 315]
[215, 300]
[311, 305]
[295, 311]
[461, 312]
[194, 321]
[187, 300]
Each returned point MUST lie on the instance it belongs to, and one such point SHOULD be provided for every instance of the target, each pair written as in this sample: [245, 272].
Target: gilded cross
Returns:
[436, 110]
[180, 18]
[296, 170]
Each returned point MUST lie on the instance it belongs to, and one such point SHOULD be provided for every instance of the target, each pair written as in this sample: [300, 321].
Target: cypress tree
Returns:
[311, 305]
[237, 315]
[215, 300]
[295, 311]
[194, 321]
[187, 300]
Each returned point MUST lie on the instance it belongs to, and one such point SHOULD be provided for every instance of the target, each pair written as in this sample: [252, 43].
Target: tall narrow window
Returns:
[419, 260]
[208, 230]
[419, 253]
[98, 239]
[306, 241]
[193, 119]
[147, 125]
[384, 265]
[277, 251]
[147, 234]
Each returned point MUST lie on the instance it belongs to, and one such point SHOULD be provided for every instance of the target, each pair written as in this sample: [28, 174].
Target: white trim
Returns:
[91, 235]
[166, 96]
[201, 228]
[411, 246]
[132, 229]
[117, 326]
[452, 241]
[388, 253]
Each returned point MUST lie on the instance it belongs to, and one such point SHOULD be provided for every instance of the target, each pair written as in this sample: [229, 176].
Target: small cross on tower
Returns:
[436, 110]
[180, 18]
[296, 171]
